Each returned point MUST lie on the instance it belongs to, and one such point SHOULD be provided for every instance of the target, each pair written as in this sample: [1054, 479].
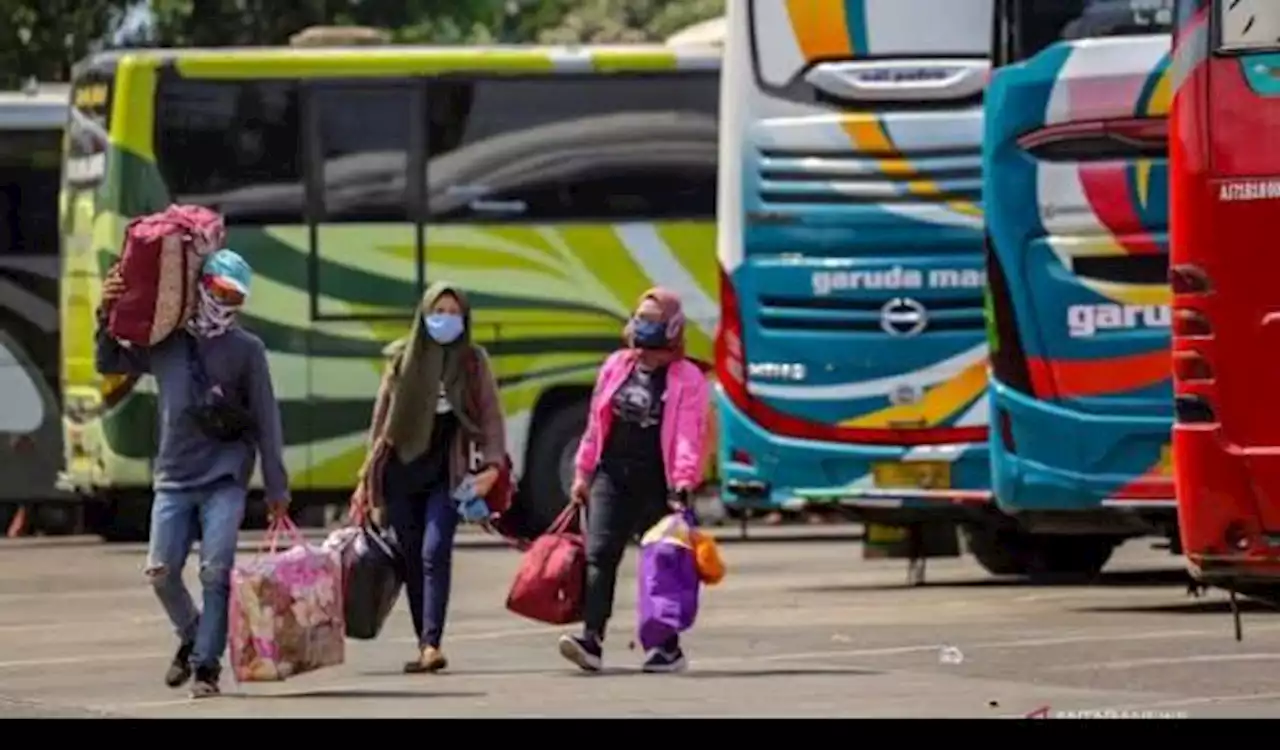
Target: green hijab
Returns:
[419, 365]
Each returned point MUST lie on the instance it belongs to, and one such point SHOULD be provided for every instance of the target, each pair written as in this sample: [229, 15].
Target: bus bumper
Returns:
[762, 470]
[1058, 470]
[1225, 537]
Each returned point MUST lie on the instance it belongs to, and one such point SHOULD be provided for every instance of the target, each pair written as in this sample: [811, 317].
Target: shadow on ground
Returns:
[714, 674]
[1209, 604]
[451, 672]
[1117, 579]
[348, 693]
[694, 673]
[852, 536]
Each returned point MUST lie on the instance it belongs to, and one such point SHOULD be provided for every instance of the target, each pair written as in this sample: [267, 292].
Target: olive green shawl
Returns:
[419, 365]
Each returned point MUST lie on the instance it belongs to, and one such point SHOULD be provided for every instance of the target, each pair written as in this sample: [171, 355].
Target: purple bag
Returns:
[668, 581]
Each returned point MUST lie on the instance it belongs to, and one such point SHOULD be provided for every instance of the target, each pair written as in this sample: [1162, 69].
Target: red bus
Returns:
[1225, 272]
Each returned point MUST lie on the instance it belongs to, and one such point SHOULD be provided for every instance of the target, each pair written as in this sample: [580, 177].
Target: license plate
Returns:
[878, 533]
[918, 475]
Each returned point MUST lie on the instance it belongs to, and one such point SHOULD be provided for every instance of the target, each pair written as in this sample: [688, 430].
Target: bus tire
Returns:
[1069, 557]
[1000, 551]
[555, 442]
[56, 519]
[120, 517]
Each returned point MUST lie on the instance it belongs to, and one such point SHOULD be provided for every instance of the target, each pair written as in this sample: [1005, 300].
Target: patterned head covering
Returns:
[225, 276]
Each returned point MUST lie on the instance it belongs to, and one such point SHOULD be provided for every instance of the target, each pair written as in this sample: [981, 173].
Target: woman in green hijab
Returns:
[438, 400]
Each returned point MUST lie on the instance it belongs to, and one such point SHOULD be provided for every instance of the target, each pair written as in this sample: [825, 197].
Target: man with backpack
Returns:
[216, 405]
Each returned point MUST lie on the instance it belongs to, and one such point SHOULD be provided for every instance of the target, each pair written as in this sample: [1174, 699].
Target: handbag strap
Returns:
[195, 364]
[558, 526]
[562, 521]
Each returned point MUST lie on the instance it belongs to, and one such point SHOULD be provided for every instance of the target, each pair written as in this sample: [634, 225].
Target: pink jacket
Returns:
[684, 419]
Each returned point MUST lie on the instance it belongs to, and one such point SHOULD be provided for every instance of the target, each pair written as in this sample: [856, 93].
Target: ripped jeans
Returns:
[178, 519]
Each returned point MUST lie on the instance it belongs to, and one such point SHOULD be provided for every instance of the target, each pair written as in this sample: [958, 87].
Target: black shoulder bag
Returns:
[214, 413]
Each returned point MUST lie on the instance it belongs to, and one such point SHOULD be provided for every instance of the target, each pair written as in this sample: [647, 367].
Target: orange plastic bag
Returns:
[707, 556]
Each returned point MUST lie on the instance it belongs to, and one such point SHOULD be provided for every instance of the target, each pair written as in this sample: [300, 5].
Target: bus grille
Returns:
[944, 175]
[955, 314]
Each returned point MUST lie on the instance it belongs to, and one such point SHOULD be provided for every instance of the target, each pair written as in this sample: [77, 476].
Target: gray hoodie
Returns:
[187, 458]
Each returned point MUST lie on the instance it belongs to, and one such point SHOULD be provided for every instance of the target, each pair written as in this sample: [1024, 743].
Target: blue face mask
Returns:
[445, 328]
[649, 334]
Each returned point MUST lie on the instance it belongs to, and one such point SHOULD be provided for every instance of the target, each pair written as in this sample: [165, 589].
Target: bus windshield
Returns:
[1035, 25]
[1250, 24]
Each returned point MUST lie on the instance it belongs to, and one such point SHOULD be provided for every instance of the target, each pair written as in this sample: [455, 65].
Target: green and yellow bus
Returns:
[555, 184]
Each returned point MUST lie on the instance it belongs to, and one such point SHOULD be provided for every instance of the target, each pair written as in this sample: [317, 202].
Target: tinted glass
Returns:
[1250, 24]
[234, 146]
[29, 181]
[365, 141]
[1037, 24]
[567, 148]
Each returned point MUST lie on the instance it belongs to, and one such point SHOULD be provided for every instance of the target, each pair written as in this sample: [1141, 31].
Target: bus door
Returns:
[365, 145]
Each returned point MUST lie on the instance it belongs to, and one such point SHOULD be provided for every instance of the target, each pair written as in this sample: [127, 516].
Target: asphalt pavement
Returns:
[800, 627]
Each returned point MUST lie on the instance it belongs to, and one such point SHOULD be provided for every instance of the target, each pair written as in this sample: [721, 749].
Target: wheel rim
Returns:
[566, 468]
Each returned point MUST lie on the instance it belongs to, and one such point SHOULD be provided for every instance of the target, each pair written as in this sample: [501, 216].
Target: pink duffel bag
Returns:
[160, 265]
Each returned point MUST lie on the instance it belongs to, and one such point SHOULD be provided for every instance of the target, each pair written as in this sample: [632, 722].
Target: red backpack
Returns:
[159, 265]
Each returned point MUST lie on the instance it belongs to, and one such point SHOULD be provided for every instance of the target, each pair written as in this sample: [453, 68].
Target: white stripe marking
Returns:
[1164, 662]
[652, 254]
[978, 415]
[78, 624]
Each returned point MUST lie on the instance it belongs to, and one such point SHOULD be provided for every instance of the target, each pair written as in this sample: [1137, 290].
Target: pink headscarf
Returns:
[673, 315]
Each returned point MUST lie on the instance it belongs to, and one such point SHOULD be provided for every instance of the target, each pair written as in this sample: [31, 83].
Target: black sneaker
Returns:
[666, 660]
[206, 682]
[583, 651]
[180, 668]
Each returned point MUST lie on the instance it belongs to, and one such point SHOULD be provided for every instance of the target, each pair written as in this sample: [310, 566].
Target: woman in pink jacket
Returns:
[640, 457]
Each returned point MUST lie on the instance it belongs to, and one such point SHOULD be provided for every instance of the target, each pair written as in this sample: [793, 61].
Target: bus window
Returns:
[29, 182]
[365, 141]
[559, 148]
[365, 246]
[233, 146]
[1250, 24]
[1039, 24]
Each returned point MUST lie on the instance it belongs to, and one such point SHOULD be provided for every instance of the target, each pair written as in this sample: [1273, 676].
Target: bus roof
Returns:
[41, 108]
[409, 60]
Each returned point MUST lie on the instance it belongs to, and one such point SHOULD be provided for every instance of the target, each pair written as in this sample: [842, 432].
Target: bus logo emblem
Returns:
[903, 316]
[906, 394]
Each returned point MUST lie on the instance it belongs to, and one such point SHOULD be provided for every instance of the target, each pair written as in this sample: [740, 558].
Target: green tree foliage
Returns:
[250, 22]
[600, 21]
[42, 39]
[214, 23]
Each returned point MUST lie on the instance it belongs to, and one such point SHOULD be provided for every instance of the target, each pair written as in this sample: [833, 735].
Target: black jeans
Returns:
[624, 503]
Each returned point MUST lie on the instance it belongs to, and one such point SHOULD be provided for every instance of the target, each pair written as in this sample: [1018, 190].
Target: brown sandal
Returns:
[430, 660]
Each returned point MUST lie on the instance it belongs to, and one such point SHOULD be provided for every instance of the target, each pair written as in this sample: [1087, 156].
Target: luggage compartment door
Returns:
[365, 143]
